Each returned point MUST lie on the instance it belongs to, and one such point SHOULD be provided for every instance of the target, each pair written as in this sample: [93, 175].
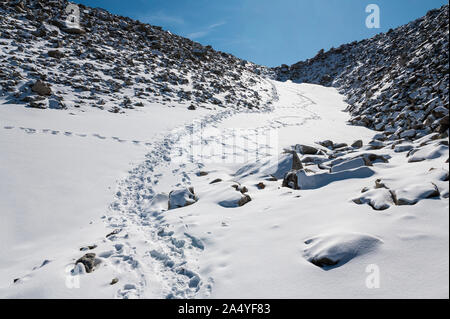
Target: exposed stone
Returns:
[89, 261]
[41, 88]
[55, 54]
[182, 198]
[358, 144]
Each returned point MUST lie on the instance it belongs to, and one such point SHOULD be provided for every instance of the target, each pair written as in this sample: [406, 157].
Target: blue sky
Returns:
[269, 32]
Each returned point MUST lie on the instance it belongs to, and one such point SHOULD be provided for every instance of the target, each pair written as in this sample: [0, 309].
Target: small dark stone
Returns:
[261, 185]
[115, 232]
[114, 281]
[201, 174]
[324, 262]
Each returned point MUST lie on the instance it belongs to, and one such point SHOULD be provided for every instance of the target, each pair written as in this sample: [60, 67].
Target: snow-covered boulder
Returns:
[349, 164]
[232, 198]
[301, 180]
[334, 250]
[428, 152]
[412, 194]
[182, 198]
[378, 199]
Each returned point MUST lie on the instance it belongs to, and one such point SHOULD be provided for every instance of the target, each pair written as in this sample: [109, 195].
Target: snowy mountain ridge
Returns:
[113, 63]
[212, 177]
[396, 82]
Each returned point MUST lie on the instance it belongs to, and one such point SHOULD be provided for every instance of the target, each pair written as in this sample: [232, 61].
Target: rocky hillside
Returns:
[113, 63]
[396, 82]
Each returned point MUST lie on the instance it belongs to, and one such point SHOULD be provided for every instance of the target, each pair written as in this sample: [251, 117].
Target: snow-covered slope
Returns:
[279, 242]
[394, 82]
[272, 194]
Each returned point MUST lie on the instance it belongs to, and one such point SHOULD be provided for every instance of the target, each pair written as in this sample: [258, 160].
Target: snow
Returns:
[349, 164]
[334, 250]
[315, 181]
[181, 198]
[60, 192]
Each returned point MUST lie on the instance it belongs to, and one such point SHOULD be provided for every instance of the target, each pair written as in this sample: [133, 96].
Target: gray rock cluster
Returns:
[396, 82]
[109, 56]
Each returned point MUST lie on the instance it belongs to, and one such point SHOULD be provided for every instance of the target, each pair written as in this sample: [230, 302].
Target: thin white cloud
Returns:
[205, 32]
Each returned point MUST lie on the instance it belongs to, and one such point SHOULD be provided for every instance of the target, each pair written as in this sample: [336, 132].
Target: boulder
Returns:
[89, 261]
[55, 54]
[333, 250]
[296, 163]
[244, 200]
[290, 180]
[306, 149]
[182, 198]
[348, 164]
[41, 88]
[358, 144]
[326, 143]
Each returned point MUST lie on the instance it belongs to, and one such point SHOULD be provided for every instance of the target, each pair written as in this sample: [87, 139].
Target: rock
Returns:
[376, 145]
[427, 152]
[358, 144]
[88, 248]
[41, 88]
[440, 112]
[55, 54]
[348, 164]
[412, 194]
[39, 104]
[240, 188]
[74, 31]
[114, 281]
[339, 145]
[261, 185]
[408, 134]
[89, 261]
[290, 180]
[333, 250]
[301, 180]
[182, 198]
[379, 199]
[306, 149]
[327, 143]
[244, 200]
[443, 124]
[113, 233]
[371, 159]
[296, 163]
[233, 198]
